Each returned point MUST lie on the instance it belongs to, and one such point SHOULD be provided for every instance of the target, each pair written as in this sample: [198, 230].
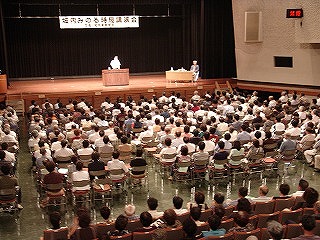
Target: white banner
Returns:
[77, 22]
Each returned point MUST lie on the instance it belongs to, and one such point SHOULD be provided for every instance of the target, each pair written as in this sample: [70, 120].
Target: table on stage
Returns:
[115, 77]
[179, 75]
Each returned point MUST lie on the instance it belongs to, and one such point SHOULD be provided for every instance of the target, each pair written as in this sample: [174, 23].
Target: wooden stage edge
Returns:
[92, 89]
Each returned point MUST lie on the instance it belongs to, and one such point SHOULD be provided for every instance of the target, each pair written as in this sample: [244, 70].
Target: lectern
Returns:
[115, 77]
[3, 84]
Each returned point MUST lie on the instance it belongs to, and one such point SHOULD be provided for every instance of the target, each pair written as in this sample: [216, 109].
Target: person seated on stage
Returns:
[115, 63]
[195, 69]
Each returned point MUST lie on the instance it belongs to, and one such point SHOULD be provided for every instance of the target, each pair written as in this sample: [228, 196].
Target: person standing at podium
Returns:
[195, 69]
[115, 63]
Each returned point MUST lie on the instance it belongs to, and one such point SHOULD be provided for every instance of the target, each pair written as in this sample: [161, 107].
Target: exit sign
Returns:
[294, 13]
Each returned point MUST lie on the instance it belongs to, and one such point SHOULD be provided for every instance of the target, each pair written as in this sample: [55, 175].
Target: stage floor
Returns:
[95, 84]
[92, 89]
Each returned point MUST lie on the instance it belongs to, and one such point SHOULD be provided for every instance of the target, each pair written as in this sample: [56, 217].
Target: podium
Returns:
[115, 77]
[3, 84]
[179, 76]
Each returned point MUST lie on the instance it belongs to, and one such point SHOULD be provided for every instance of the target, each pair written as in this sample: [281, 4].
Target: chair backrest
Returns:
[307, 145]
[308, 211]
[264, 218]
[54, 187]
[174, 233]
[138, 169]
[298, 199]
[227, 224]
[270, 146]
[203, 227]
[227, 236]
[85, 157]
[244, 235]
[264, 234]
[228, 211]
[58, 234]
[106, 156]
[183, 217]
[254, 220]
[142, 235]
[290, 215]
[288, 154]
[264, 207]
[86, 233]
[316, 230]
[293, 230]
[201, 162]
[237, 158]
[123, 237]
[283, 203]
[8, 192]
[116, 171]
[61, 159]
[102, 229]
[133, 225]
[205, 215]
[169, 156]
[221, 162]
[98, 173]
[184, 164]
[82, 183]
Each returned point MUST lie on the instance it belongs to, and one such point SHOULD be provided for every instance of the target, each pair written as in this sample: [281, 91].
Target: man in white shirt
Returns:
[263, 191]
[153, 204]
[177, 203]
[209, 145]
[115, 63]
[178, 140]
[115, 163]
[86, 150]
[64, 151]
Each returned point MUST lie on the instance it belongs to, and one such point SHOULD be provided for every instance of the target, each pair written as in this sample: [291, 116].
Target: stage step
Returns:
[223, 87]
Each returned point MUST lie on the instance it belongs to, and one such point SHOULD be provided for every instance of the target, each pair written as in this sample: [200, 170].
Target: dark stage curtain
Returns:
[38, 47]
[200, 29]
[217, 39]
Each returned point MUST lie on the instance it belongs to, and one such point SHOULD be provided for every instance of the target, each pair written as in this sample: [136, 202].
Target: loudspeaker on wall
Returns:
[253, 27]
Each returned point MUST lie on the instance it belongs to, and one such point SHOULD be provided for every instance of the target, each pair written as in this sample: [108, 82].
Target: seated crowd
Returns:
[222, 129]
[200, 220]
[10, 192]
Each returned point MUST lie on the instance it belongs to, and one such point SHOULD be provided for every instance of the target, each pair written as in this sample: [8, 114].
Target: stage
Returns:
[92, 89]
